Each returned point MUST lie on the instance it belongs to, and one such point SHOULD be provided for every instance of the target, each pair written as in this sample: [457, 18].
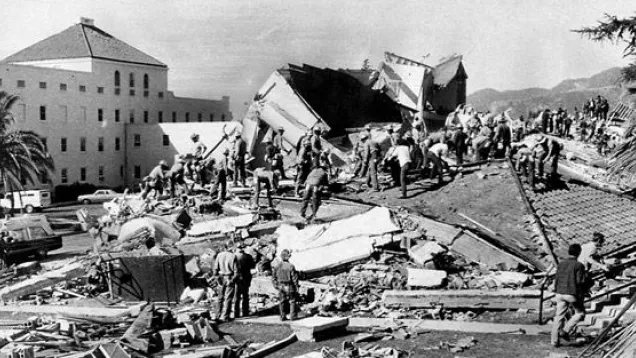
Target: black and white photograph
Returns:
[318, 179]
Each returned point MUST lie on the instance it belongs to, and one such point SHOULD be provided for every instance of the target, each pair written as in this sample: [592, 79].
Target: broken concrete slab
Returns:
[476, 249]
[424, 252]
[312, 329]
[499, 299]
[223, 225]
[426, 278]
[47, 279]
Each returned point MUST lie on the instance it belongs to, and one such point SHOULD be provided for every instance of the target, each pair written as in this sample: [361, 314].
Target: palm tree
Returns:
[22, 153]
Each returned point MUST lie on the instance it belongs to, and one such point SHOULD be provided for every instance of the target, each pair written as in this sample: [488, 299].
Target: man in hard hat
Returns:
[238, 156]
[285, 278]
[155, 179]
[198, 149]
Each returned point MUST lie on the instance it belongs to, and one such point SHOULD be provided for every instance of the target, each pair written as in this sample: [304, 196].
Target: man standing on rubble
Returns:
[280, 151]
[403, 156]
[364, 156]
[177, 175]
[286, 282]
[569, 288]
[374, 159]
[244, 263]
[220, 175]
[226, 271]
[316, 182]
[503, 138]
[238, 156]
[269, 179]
[198, 149]
[304, 163]
[461, 141]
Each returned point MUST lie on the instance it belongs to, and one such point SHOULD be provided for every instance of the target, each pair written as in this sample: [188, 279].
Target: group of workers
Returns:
[232, 273]
[197, 167]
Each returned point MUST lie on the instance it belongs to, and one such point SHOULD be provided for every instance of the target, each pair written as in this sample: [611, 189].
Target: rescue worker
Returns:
[198, 149]
[269, 179]
[238, 157]
[219, 186]
[316, 182]
[177, 175]
[155, 179]
[403, 157]
[280, 151]
[304, 164]
[364, 156]
[590, 251]
[279, 142]
[244, 264]
[374, 154]
[503, 138]
[302, 141]
[553, 159]
[226, 271]
[540, 154]
[316, 143]
[285, 278]
[461, 141]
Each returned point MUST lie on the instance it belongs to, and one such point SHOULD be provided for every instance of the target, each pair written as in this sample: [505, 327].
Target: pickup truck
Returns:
[26, 236]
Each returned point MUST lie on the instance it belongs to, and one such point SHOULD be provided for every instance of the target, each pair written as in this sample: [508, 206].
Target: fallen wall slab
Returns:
[44, 280]
[362, 323]
[499, 299]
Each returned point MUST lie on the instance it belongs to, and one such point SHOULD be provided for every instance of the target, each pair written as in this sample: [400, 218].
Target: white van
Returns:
[29, 200]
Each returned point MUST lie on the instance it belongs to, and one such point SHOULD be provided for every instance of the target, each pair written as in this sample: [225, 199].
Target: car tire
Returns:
[29, 209]
[86, 201]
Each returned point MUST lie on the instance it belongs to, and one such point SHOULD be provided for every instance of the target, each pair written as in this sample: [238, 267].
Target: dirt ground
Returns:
[425, 345]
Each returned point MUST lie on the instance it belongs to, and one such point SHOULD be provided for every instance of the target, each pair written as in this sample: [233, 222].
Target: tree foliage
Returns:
[620, 31]
[23, 155]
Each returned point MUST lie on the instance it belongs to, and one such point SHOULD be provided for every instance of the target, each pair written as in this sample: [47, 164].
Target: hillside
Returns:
[568, 94]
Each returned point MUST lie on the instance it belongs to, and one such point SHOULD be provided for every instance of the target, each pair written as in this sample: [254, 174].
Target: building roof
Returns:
[576, 212]
[83, 40]
[446, 71]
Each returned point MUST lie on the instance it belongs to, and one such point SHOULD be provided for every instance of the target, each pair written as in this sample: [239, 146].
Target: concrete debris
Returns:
[426, 278]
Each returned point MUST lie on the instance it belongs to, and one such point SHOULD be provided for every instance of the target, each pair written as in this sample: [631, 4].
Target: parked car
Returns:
[99, 196]
[29, 200]
[27, 236]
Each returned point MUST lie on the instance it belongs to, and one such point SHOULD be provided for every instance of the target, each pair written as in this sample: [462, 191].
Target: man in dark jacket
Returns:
[316, 182]
[244, 263]
[569, 288]
[285, 279]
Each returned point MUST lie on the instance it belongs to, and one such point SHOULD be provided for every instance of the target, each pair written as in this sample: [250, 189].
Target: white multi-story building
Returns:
[81, 89]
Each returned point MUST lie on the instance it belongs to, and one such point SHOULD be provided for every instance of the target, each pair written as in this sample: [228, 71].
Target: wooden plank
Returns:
[33, 284]
[271, 348]
[363, 323]
[499, 299]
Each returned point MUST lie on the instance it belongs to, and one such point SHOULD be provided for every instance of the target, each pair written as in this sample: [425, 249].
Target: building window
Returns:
[132, 92]
[116, 115]
[100, 90]
[100, 144]
[145, 116]
[117, 91]
[223, 117]
[82, 88]
[200, 117]
[100, 115]
[187, 119]
[211, 117]
[63, 144]
[82, 174]
[43, 113]
[132, 116]
[160, 117]
[43, 85]
[64, 175]
[146, 83]
[174, 117]
[117, 79]
[131, 80]
[160, 94]
[21, 84]
[64, 112]
[137, 140]
[137, 173]
[63, 87]
[121, 171]
[100, 174]
[117, 143]
[82, 144]
[166, 140]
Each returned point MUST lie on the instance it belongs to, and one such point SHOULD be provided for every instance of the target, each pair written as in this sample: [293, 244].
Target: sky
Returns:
[218, 47]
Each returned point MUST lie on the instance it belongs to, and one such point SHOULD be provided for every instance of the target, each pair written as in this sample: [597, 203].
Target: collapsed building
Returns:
[297, 98]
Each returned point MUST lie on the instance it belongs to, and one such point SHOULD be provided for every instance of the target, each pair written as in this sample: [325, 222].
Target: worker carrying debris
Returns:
[226, 271]
[154, 180]
[285, 280]
[570, 288]
[317, 182]
[269, 179]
